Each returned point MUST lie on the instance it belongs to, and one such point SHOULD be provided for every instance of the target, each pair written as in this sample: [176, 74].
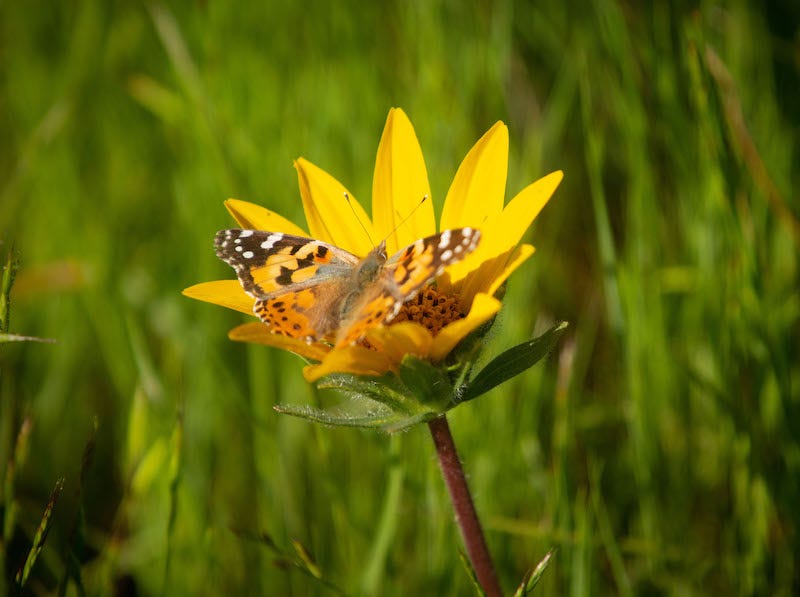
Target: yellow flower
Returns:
[432, 324]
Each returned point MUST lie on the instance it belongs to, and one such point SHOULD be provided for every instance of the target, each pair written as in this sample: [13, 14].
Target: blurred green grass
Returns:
[658, 450]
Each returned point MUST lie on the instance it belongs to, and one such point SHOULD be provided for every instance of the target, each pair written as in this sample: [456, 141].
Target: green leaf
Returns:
[511, 363]
[338, 418]
[408, 422]
[533, 577]
[471, 573]
[14, 464]
[302, 561]
[307, 559]
[428, 384]
[382, 418]
[40, 537]
[17, 338]
[6, 282]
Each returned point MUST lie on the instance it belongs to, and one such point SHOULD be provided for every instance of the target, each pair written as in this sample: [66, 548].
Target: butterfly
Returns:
[312, 290]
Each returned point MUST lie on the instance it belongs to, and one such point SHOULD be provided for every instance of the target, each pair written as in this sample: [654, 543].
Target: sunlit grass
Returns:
[657, 449]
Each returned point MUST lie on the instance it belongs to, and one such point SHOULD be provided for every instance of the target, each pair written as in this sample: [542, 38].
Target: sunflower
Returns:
[458, 302]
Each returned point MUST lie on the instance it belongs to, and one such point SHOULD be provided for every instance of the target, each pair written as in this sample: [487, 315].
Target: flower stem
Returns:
[467, 518]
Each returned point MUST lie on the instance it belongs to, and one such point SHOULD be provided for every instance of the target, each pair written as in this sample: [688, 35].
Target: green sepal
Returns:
[511, 363]
[429, 385]
[468, 349]
[386, 390]
[393, 402]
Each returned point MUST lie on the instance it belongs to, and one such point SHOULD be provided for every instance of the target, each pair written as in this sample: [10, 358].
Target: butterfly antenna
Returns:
[411, 213]
[355, 213]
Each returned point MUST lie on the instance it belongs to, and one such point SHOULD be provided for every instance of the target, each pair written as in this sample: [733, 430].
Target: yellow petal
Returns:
[398, 186]
[350, 359]
[254, 217]
[479, 186]
[492, 273]
[259, 333]
[226, 293]
[451, 281]
[520, 255]
[400, 339]
[519, 214]
[484, 307]
[329, 217]
[501, 233]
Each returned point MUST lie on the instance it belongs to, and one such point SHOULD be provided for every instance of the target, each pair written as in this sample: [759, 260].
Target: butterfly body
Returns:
[306, 288]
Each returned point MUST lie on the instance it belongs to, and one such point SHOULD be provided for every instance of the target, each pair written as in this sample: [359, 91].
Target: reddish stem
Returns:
[467, 518]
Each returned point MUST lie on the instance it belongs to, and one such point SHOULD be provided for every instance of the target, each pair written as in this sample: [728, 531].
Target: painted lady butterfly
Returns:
[309, 289]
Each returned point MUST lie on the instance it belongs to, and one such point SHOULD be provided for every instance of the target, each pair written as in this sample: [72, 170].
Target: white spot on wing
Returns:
[444, 240]
[245, 233]
[447, 255]
[239, 247]
[248, 254]
[271, 240]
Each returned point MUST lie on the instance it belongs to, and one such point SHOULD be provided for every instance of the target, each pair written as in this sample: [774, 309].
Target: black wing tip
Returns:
[225, 242]
[474, 236]
[220, 237]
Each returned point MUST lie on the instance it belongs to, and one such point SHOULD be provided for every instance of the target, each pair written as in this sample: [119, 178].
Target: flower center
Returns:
[430, 308]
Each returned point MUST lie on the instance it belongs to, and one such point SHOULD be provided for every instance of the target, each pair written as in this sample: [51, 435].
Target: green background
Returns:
[658, 448]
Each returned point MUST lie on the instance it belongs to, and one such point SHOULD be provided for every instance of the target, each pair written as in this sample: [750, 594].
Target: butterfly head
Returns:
[371, 266]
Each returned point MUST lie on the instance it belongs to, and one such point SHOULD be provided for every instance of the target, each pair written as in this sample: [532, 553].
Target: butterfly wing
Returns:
[267, 263]
[296, 280]
[425, 259]
[404, 274]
